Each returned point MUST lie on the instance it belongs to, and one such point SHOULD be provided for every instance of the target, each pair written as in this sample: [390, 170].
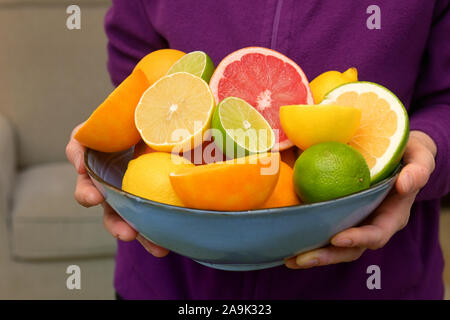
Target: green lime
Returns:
[197, 63]
[239, 129]
[328, 171]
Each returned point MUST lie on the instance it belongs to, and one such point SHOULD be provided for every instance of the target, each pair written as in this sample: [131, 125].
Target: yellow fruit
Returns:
[233, 185]
[384, 130]
[307, 125]
[156, 64]
[148, 177]
[329, 80]
[174, 113]
[284, 194]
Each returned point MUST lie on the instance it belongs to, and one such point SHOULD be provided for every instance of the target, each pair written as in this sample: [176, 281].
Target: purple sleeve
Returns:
[130, 37]
[431, 105]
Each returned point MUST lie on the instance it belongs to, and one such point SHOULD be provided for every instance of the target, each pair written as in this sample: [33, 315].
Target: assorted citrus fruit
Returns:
[212, 139]
[148, 177]
[157, 63]
[266, 79]
[329, 80]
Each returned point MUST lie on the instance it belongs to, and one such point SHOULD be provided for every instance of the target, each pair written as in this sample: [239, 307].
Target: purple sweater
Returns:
[410, 55]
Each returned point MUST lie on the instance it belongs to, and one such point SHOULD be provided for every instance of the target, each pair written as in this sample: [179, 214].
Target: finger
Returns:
[391, 216]
[324, 256]
[86, 193]
[115, 225]
[152, 248]
[419, 165]
[75, 152]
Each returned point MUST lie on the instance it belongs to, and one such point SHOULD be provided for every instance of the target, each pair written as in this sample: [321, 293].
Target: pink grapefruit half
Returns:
[267, 80]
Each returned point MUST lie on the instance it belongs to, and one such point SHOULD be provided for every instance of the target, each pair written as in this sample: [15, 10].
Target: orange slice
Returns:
[111, 127]
[233, 185]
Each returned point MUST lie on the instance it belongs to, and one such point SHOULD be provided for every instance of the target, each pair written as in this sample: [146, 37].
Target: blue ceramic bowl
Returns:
[244, 240]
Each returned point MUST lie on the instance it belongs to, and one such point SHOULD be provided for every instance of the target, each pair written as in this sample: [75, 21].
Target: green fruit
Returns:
[197, 63]
[328, 171]
[239, 129]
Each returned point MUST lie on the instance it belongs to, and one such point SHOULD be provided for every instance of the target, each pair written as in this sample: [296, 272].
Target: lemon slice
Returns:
[174, 112]
[384, 128]
[307, 125]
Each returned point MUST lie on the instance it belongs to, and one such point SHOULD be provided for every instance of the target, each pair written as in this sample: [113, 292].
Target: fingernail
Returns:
[407, 183]
[307, 263]
[343, 242]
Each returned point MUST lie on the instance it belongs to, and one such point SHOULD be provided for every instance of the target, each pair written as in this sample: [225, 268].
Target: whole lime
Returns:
[328, 171]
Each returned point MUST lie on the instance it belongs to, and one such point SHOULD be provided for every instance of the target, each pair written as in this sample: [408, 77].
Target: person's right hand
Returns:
[87, 195]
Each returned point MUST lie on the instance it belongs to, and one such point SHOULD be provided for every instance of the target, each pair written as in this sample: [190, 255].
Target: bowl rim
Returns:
[257, 212]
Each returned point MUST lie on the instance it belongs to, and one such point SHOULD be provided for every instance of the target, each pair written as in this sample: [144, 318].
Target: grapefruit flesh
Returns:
[267, 80]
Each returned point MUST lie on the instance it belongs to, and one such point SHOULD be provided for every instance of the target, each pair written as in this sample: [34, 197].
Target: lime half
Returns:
[239, 129]
[197, 63]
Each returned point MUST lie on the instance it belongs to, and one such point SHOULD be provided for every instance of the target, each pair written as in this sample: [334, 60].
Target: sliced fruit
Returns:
[284, 194]
[307, 125]
[328, 171]
[266, 79]
[148, 177]
[197, 63]
[174, 112]
[240, 130]
[110, 127]
[329, 80]
[156, 64]
[233, 185]
[384, 129]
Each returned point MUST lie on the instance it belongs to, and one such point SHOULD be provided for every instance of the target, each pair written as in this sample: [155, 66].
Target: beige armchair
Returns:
[52, 78]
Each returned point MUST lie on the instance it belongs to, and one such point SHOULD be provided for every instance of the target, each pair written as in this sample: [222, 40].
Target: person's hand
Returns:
[87, 195]
[391, 216]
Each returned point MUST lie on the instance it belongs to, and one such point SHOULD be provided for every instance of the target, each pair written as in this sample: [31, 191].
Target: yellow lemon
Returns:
[306, 125]
[329, 80]
[174, 113]
[157, 63]
[148, 176]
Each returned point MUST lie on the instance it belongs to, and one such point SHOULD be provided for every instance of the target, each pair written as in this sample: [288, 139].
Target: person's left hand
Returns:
[391, 216]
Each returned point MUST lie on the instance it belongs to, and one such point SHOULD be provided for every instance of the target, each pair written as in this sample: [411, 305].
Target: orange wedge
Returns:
[111, 126]
[233, 185]
[284, 194]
